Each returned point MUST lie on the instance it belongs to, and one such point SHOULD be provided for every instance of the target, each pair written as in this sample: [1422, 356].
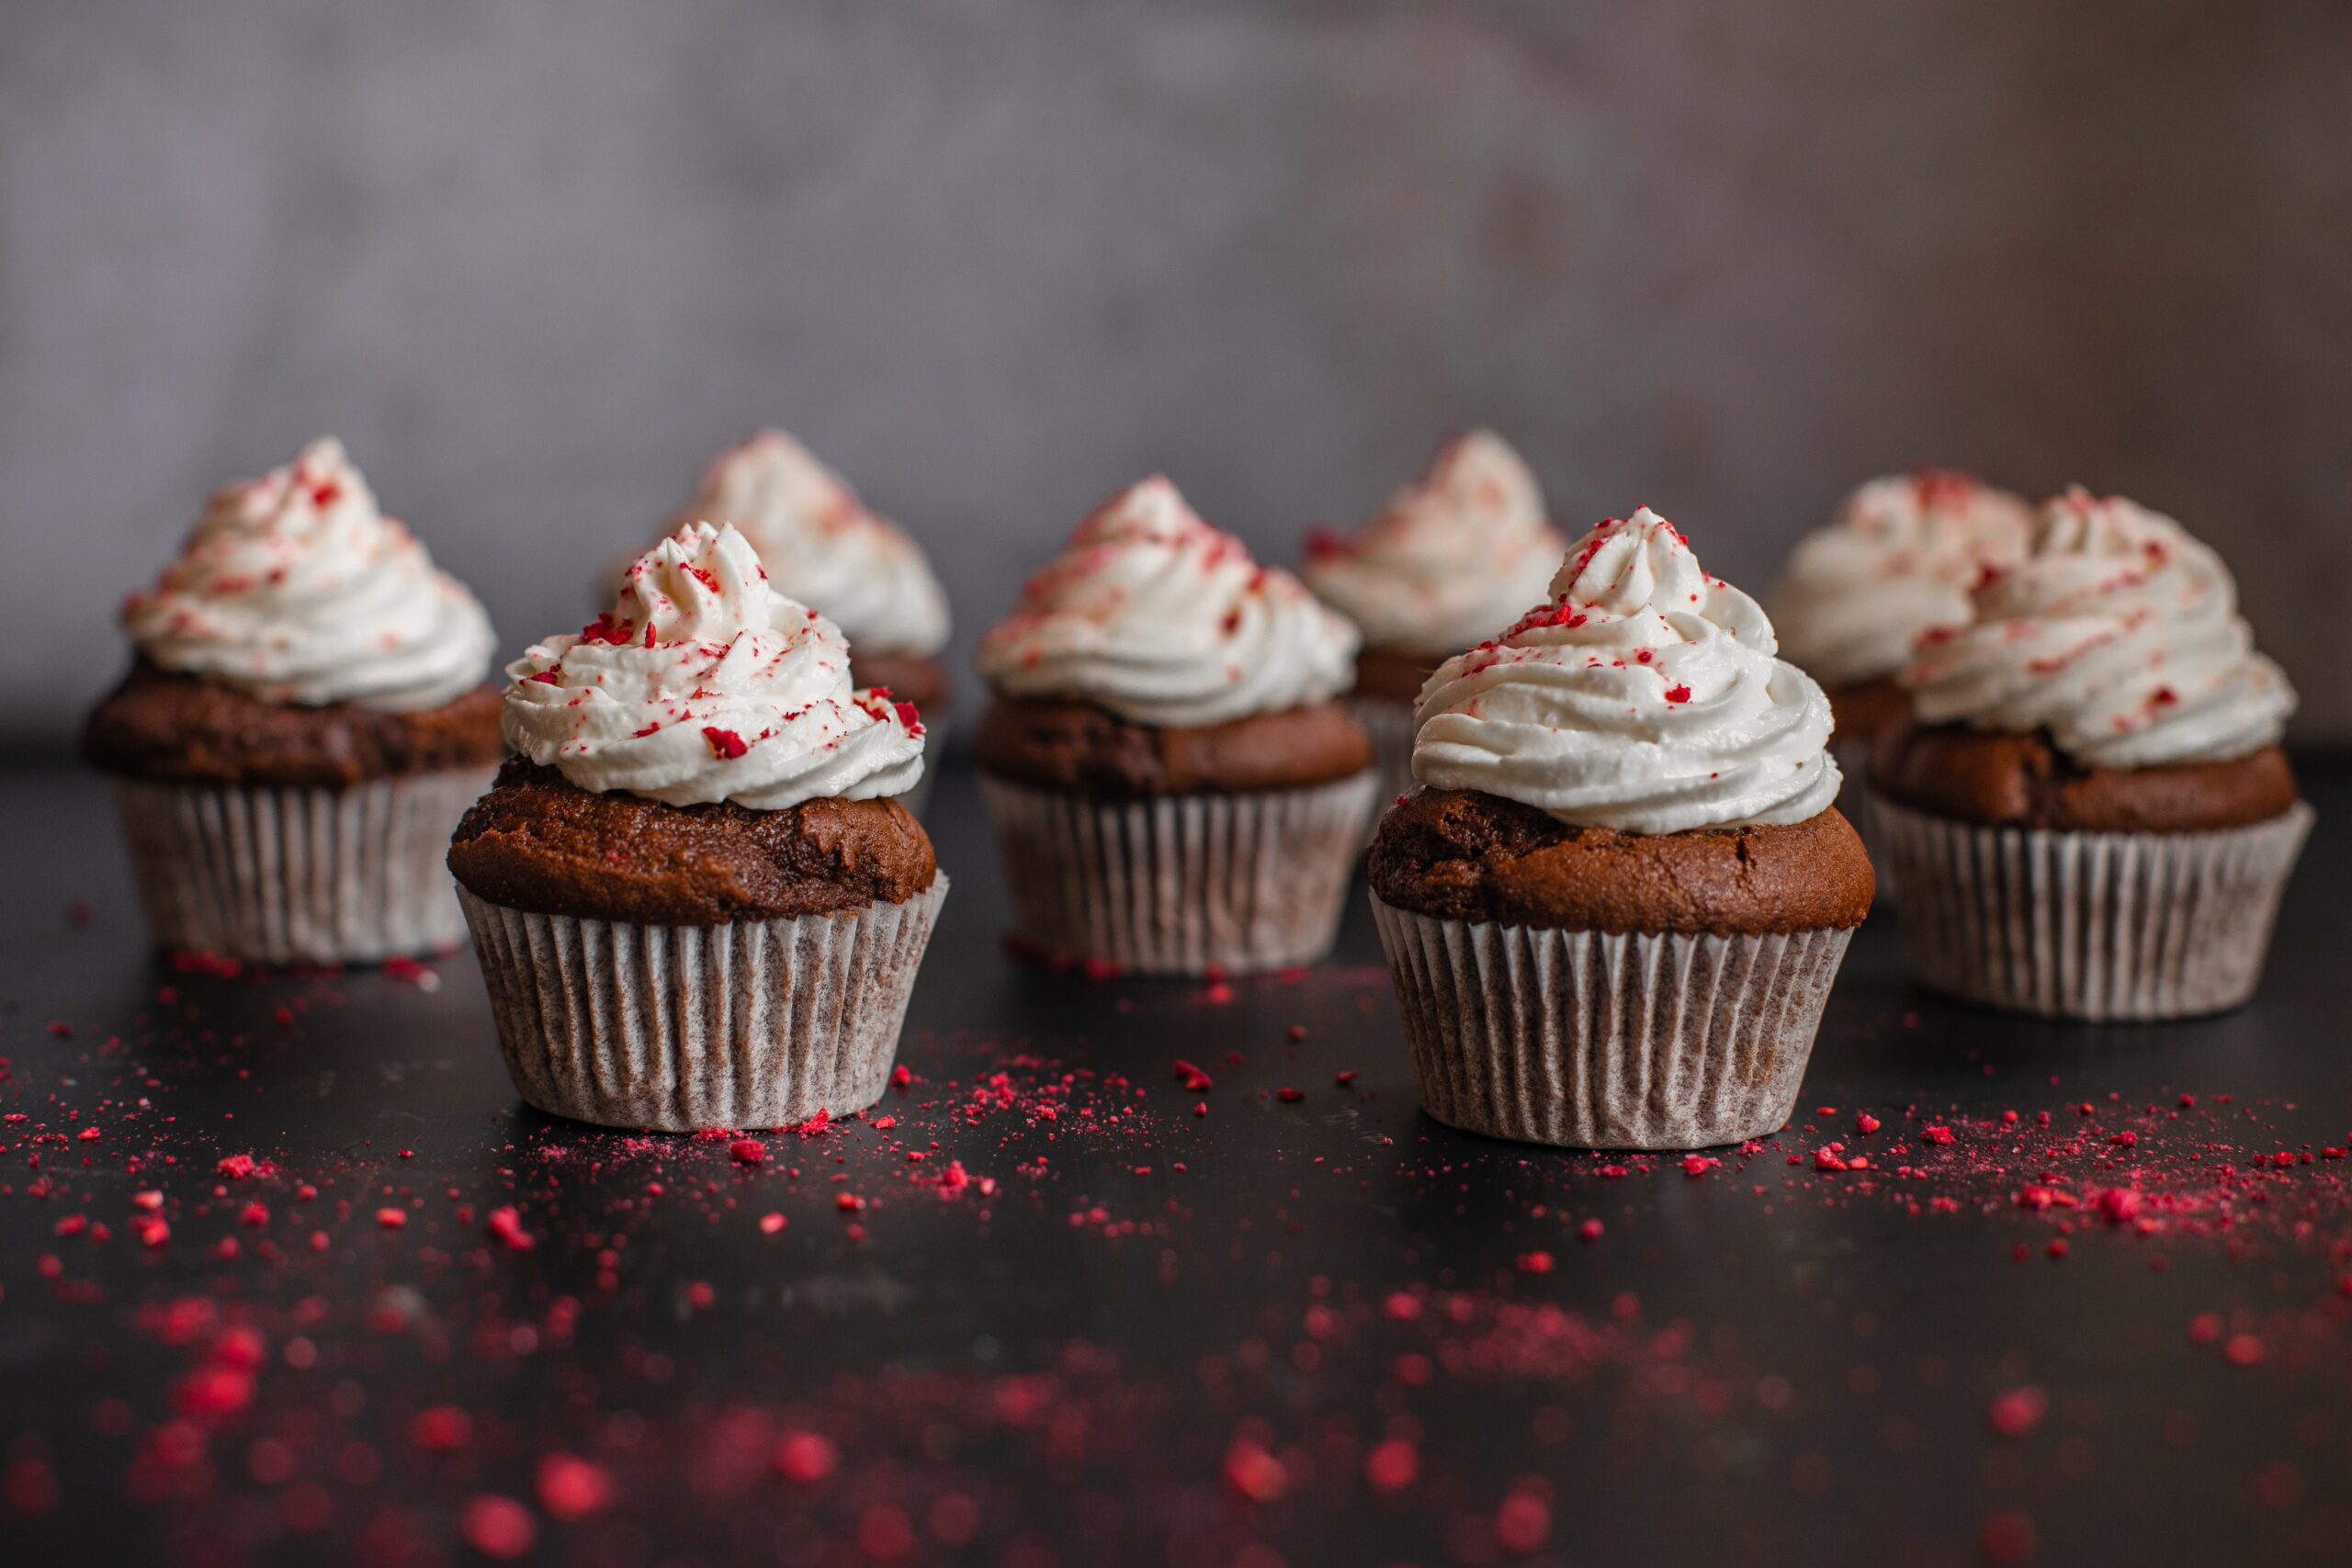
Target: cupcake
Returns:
[1614, 911]
[1900, 560]
[696, 903]
[303, 723]
[1174, 785]
[828, 551]
[1451, 560]
[2088, 813]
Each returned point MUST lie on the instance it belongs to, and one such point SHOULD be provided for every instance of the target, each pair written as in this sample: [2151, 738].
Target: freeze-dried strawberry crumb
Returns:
[724, 743]
[748, 1151]
[1255, 1474]
[1393, 1465]
[1523, 1522]
[573, 1488]
[804, 1458]
[2017, 1412]
[499, 1527]
[1537, 1262]
[505, 1226]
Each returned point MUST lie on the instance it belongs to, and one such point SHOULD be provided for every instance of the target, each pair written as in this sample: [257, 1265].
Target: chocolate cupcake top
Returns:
[295, 589]
[1901, 558]
[1645, 696]
[823, 546]
[703, 683]
[1452, 559]
[2119, 634]
[1163, 620]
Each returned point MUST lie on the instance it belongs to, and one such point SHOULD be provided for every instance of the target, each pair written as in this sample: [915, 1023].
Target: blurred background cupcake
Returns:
[695, 902]
[303, 724]
[827, 550]
[1614, 911]
[1902, 557]
[1174, 787]
[2090, 813]
[1451, 560]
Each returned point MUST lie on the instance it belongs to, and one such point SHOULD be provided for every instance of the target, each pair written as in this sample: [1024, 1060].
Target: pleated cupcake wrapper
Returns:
[1390, 724]
[2097, 926]
[684, 1029]
[282, 875]
[1591, 1040]
[1181, 884]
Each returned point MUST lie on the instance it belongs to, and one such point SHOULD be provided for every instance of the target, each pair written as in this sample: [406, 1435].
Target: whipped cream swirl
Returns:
[295, 589]
[703, 683]
[1166, 621]
[1900, 558]
[2118, 634]
[823, 546]
[1644, 697]
[1451, 560]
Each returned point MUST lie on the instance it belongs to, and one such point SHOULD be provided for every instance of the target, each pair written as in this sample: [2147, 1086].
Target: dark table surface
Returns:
[1047, 1305]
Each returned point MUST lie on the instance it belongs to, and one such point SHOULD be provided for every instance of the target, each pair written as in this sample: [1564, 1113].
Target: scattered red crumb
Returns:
[1253, 1473]
[748, 1151]
[1535, 1262]
[804, 1458]
[439, 1429]
[499, 1527]
[392, 1219]
[505, 1226]
[573, 1488]
[1393, 1465]
[2017, 1411]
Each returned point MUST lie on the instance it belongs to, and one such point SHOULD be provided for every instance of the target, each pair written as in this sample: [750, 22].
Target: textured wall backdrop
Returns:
[535, 260]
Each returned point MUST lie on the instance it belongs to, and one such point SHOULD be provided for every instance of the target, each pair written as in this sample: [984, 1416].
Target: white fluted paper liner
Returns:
[1389, 722]
[1593, 1040]
[1181, 884]
[284, 876]
[684, 1029]
[2097, 926]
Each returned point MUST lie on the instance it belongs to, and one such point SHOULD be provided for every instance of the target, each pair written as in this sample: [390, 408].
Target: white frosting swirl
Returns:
[1166, 621]
[823, 546]
[1451, 560]
[2119, 634]
[703, 683]
[1901, 558]
[1643, 697]
[295, 589]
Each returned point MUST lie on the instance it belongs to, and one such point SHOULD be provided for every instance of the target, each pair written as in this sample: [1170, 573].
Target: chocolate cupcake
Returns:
[827, 550]
[1450, 561]
[1901, 558]
[2089, 814]
[1615, 912]
[304, 723]
[1173, 784]
[696, 904]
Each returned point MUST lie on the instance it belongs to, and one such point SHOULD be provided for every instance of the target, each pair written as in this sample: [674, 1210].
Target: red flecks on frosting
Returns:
[724, 743]
[1677, 693]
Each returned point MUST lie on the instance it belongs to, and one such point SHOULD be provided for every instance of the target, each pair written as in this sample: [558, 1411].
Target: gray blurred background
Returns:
[535, 260]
